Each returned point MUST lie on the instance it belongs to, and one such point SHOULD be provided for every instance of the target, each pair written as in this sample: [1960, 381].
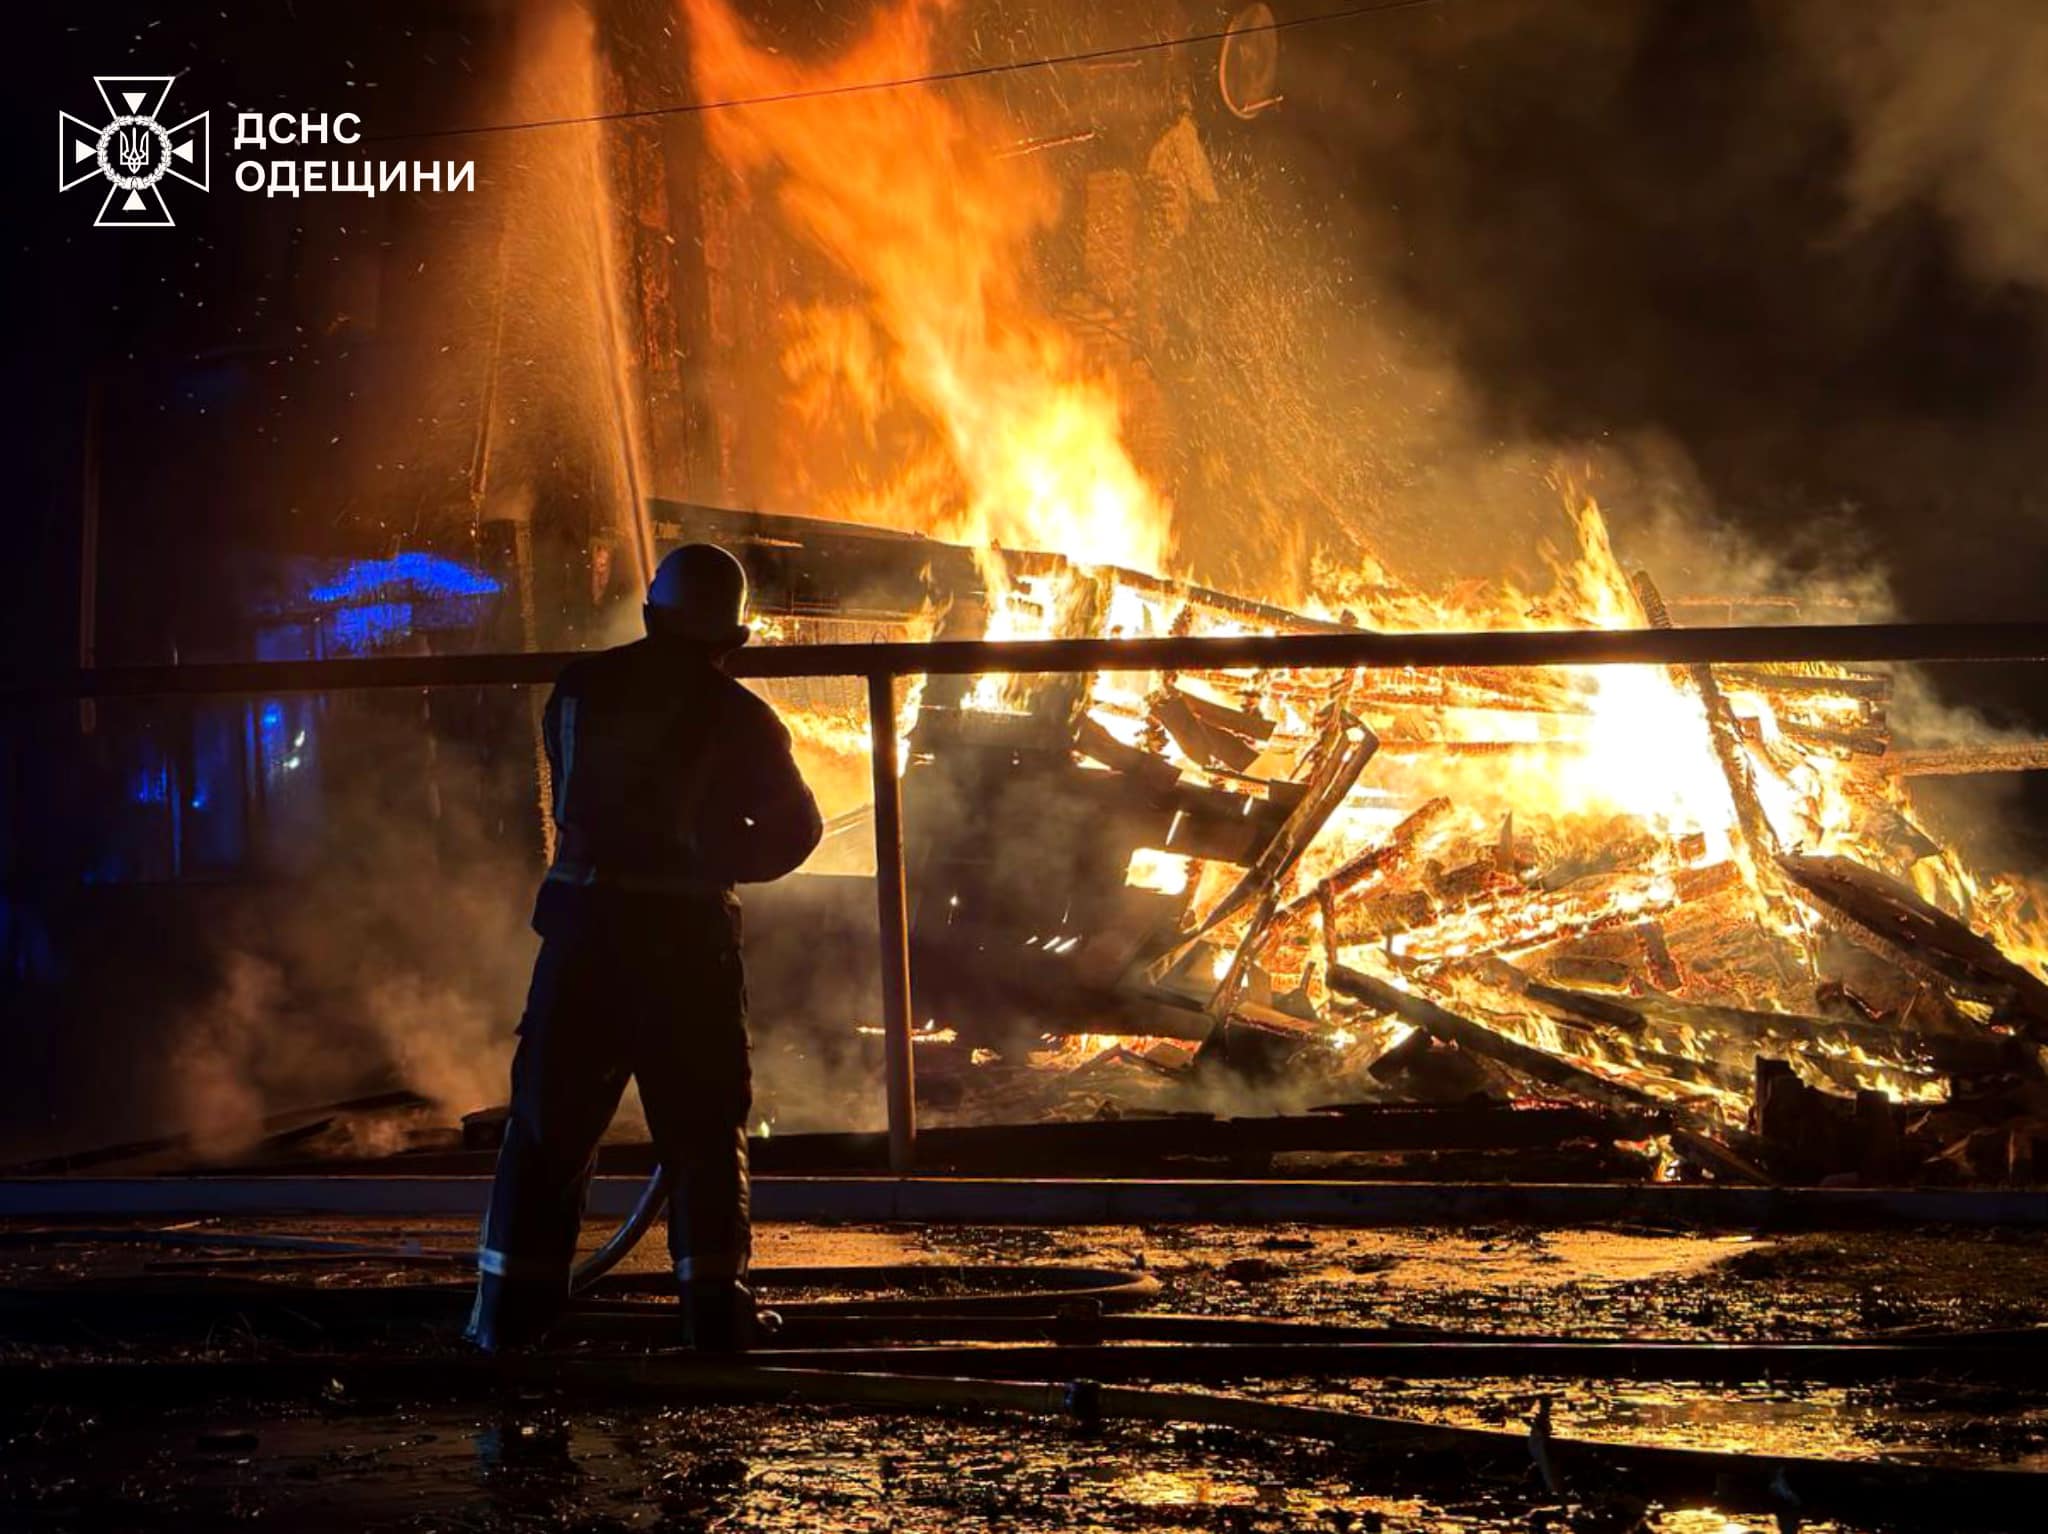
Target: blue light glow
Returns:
[428, 576]
[353, 630]
[271, 739]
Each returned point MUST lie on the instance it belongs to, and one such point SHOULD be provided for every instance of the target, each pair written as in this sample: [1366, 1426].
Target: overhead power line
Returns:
[936, 77]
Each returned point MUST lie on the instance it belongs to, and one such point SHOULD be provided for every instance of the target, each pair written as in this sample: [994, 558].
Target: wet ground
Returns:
[1607, 1282]
[726, 1467]
[534, 1462]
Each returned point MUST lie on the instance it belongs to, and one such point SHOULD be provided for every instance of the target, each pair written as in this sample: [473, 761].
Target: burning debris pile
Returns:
[1697, 898]
[1698, 894]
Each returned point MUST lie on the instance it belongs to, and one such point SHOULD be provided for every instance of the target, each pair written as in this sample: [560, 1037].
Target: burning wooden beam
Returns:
[1440, 746]
[1253, 726]
[1538, 1065]
[1794, 684]
[1509, 916]
[1853, 1056]
[1098, 745]
[1400, 844]
[1592, 1028]
[1723, 732]
[1207, 743]
[1965, 761]
[1346, 747]
[1853, 742]
[1891, 919]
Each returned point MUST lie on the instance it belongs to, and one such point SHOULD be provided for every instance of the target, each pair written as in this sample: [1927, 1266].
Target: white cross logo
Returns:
[132, 150]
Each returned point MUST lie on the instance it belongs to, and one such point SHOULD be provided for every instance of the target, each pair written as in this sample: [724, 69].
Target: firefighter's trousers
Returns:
[646, 990]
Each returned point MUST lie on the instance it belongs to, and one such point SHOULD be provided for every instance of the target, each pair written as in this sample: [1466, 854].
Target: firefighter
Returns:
[672, 783]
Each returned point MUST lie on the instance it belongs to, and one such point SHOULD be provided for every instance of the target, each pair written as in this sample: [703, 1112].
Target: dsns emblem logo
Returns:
[134, 151]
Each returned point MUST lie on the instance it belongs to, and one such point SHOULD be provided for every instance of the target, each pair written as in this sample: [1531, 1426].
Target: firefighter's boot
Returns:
[720, 1316]
[509, 1314]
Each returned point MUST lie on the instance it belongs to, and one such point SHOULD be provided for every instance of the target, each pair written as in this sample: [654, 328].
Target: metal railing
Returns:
[881, 664]
[1763, 645]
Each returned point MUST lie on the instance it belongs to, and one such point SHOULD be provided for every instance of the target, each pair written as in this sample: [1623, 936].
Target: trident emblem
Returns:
[133, 150]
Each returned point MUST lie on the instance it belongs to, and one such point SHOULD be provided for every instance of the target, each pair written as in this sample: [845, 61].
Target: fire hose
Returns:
[653, 1195]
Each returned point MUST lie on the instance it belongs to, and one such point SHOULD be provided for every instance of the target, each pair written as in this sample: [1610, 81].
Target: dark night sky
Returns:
[176, 323]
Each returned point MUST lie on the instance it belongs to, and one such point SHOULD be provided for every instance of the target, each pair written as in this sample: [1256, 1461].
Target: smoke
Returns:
[402, 960]
[401, 953]
[399, 956]
[1945, 110]
[1783, 243]
[1766, 279]
[221, 1060]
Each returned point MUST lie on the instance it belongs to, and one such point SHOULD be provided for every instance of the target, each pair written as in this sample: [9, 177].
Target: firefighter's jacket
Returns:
[670, 779]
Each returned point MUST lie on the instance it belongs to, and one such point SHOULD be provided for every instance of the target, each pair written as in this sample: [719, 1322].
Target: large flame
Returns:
[905, 192]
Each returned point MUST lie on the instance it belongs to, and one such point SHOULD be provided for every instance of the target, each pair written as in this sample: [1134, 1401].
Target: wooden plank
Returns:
[1332, 779]
[1724, 734]
[1877, 910]
[1155, 774]
[1867, 742]
[1221, 716]
[1869, 689]
[1439, 1022]
[1347, 746]
[1400, 843]
[1206, 744]
[1964, 761]
[1895, 1043]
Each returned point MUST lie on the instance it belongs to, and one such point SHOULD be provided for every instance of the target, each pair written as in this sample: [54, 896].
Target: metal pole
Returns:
[893, 910]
